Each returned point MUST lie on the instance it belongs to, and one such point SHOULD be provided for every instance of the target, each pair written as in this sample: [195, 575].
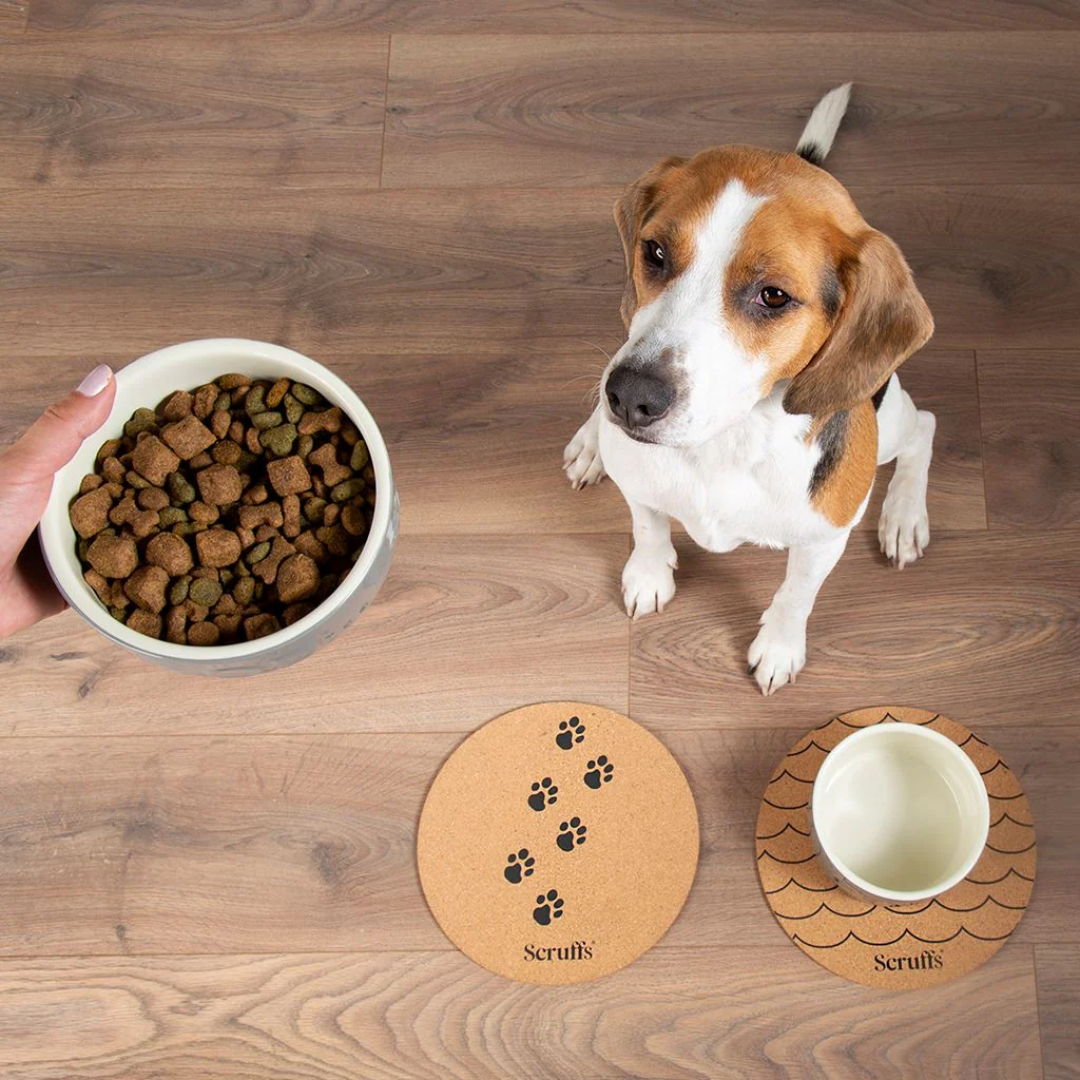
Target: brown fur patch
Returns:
[842, 491]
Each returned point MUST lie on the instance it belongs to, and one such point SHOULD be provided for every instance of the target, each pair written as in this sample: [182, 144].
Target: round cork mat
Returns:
[894, 946]
[557, 843]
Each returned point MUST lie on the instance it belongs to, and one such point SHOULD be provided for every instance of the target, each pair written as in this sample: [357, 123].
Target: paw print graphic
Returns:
[571, 834]
[544, 793]
[549, 906]
[519, 864]
[601, 771]
[570, 732]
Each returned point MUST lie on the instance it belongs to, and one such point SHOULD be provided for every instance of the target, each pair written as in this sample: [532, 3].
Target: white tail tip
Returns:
[817, 137]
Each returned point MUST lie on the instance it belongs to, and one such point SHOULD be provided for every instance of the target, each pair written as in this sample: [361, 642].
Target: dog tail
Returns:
[817, 137]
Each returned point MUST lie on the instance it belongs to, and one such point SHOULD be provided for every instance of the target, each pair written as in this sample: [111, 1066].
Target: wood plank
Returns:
[1029, 409]
[193, 112]
[13, 15]
[1058, 978]
[151, 845]
[983, 629]
[545, 16]
[580, 111]
[673, 1015]
[464, 629]
[404, 271]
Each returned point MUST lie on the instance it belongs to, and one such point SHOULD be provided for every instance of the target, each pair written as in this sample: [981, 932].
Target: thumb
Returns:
[27, 467]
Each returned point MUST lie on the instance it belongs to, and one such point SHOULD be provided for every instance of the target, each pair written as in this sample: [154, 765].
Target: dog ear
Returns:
[629, 210]
[882, 320]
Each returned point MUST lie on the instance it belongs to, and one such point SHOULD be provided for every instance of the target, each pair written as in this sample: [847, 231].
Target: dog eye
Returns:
[772, 297]
[654, 254]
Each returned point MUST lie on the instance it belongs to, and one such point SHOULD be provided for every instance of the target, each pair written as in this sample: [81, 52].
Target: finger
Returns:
[27, 468]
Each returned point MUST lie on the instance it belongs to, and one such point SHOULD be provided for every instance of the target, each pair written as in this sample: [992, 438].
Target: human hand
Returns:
[27, 593]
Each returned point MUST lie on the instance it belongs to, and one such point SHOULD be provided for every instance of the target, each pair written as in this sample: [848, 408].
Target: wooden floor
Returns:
[204, 880]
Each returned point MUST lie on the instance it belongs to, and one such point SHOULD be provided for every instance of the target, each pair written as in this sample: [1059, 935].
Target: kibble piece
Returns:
[279, 440]
[203, 513]
[179, 488]
[304, 394]
[265, 532]
[259, 626]
[311, 546]
[112, 468]
[141, 420]
[276, 393]
[267, 568]
[267, 419]
[290, 512]
[152, 498]
[99, 584]
[178, 590]
[154, 460]
[251, 517]
[145, 622]
[288, 475]
[353, 520]
[109, 448]
[244, 591]
[90, 482]
[205, 397]
[188, 437]
[177, 405]
[326, 458]
[255, 494]
[171, 515]
[171, 553]
[313, 422]
[331, 514]
[226, 452]
[203, 633]
[297, 578]
[209, 572]
[223, 402]
[255, 400]
[113, 556]
[335, 538]
[229, 625]
[176, 625]
[233, 380]
[90, 513]
[257, 553]
[218, 547]
[347, 489]
[205, 592]
[201, 460]
[141, 522]
[293, 409]
[294, 612]
[227, 605]
[195, 612]
[134, 480]
[360, 456]
[220, 423]
[146, 588]
[219, 484]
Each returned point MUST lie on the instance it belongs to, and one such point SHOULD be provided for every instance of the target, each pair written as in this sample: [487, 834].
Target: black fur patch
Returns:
[831, 440]
[879, 394]
[830, 293]
[811, 152]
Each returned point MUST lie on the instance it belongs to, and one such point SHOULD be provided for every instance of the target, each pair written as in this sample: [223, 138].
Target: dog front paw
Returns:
[648, 583]
[778, 653]
[903, 529]
[581, 458]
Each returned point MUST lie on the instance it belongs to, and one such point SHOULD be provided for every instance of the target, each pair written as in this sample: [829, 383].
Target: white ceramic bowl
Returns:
[144, 383]
[899, 813]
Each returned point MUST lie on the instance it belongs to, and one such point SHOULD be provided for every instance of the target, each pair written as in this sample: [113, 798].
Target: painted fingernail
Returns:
[96, 381]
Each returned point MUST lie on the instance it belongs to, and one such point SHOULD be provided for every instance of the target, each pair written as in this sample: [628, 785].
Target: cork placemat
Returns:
[894, 946]
[557, 843]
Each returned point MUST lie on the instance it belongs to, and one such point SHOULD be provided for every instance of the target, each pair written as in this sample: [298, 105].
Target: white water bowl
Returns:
[144, 383]
[899, 813]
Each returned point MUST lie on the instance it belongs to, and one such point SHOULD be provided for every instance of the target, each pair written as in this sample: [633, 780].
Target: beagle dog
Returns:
[754, 396]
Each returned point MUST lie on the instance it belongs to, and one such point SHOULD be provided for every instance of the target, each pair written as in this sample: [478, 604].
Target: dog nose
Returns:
[636, 398]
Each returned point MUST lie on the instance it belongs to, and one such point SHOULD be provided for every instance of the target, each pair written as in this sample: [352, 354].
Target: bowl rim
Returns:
[81, 598]
[901, 729]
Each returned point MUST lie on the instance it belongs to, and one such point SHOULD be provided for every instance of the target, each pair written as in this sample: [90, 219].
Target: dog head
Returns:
[745, 267]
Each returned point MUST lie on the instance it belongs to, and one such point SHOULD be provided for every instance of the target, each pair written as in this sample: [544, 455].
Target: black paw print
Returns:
[600, 772]
[570, 731]
[544, 792]
[549, 906]
[519, 865]
[571, 833]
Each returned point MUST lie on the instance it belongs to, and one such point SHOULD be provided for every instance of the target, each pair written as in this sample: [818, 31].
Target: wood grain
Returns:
[465, 628]
[408, 272]
[1029, 407]
[546, 16]
[13, 14]
[984, 628]
[674, 1015]
[579, 111]
[181, 844]
[1058, 978]
[192, 112]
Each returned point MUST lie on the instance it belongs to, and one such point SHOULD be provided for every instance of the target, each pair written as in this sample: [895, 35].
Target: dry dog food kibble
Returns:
[228, 512]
